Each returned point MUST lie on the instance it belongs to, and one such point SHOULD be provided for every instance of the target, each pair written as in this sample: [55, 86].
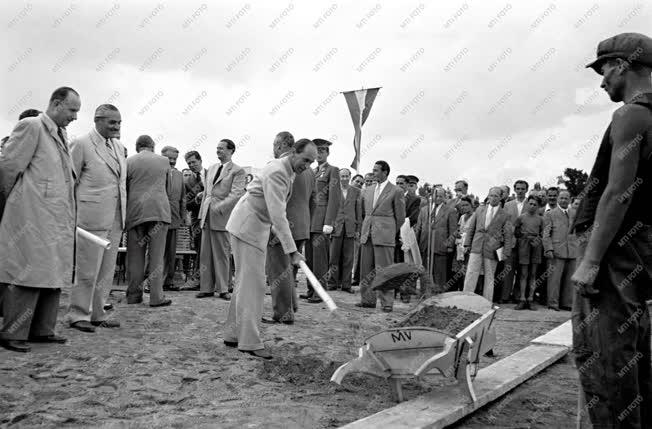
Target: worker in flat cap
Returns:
[324, 206]
[412, 200]
[611, 323]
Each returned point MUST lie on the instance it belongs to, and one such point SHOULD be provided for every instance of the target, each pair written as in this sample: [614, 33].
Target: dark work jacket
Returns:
[641, 190]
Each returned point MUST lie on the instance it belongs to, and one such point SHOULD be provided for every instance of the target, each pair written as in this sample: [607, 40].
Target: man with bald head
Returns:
[101, 206]
[489, 230]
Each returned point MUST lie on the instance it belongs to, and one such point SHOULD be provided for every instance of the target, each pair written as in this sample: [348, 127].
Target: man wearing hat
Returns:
[412, 200]
[611, 323]
[324, 207]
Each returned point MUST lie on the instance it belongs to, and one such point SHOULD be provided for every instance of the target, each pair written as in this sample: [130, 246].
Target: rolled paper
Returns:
[317, 286]
[105, 244]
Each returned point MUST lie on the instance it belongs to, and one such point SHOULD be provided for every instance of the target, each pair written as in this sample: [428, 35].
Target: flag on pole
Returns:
[359, 103]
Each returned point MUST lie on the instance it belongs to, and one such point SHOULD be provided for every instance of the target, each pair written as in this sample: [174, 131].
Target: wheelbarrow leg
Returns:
[397, 389]
[463, 375]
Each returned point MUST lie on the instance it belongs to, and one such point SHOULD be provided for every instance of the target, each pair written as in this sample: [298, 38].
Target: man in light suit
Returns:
[225, 184]
[514, 209]
[443, 226]
[260, 210]
[347, 230]
[37, 228]
[489, 230]
[383, 210]
[194, 188]
[101, 209]
[323, 210]
[560, 248]
[177, 197]
[278, 267]
[148, 219]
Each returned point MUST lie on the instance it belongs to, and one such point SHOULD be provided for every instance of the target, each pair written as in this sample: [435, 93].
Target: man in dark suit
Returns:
[148, 219]
[383, 209]
[560, 249]
[194, 188]
[323, 210]
[489, 230]
[401, 183]
[225, 185]
[177, 198]
[281, 274]
[412, 200]
[347, 229]
[514, 209]
[443, 226]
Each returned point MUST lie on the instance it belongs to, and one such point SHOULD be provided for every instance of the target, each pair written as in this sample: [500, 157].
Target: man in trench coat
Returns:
[37, 228]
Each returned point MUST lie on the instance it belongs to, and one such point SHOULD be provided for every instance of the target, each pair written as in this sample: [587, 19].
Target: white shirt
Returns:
[548, 208]
[379, 190]
[519, 206]
[437, 208]
[491, 212]
[344, 192]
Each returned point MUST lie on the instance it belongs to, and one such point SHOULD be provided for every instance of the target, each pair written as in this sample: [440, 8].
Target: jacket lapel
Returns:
[496, 216]
[103, 152]
[386, 190]
[224, 172]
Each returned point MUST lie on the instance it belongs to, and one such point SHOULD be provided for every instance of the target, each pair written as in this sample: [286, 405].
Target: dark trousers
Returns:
[611, 336]
[151, 236]
[341, 259]
[170, 256]
[28, 312]
[281, 275]
[511, 272]
[440, 272]
[195, 231]
[356, 267]
[317, 250]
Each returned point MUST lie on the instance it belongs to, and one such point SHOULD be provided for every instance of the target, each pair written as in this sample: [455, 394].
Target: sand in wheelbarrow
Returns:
[451, 320]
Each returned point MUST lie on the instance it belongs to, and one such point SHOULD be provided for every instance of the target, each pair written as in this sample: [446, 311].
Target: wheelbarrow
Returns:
[399, 354]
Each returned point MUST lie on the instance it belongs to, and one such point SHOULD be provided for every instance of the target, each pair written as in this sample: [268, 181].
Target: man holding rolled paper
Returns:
[98, 158]
[38, 224]
[260, 210]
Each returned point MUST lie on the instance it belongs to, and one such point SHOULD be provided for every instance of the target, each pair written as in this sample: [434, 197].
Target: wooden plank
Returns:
[562, 335]
[443, 407]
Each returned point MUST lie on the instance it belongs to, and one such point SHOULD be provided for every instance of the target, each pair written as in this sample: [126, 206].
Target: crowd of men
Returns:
[507, 247]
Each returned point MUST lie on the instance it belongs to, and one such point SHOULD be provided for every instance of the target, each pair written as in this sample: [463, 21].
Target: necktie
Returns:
[108, 144]
[217, 175]
[60, 133]
[376, 194]
[491, 216]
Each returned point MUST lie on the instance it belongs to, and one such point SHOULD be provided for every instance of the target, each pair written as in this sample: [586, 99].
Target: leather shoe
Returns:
[388, 309]
[225, 296]
[106, 323]
[522, 305]
[204, 295]
[83, 326]
[359, 304]
[48, 339]
[552, 307]
[108, 307]
[163, 303]
[351, 291]
[171, 288]
[305, 295]
[262, 353]
[315, 300]
[230, 343]
[15, 346]
[269, 321]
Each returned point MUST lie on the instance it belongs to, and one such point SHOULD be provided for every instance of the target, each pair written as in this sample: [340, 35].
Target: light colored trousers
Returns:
[476, 265]
[214, 260]
[246, 306]
[95, 268]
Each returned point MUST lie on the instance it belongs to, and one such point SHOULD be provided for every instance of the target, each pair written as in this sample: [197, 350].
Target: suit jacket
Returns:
[220, 197]
[37, 228]
[194, 187]
[511, 208]
[350, 214]
[442, 230]
[557, 234]
[147, 198]
[263, 208]
[412, 208]
[298, 206]
[101, 181]
[486, 240]
[326, 201]
[177, 197]
[382, 223]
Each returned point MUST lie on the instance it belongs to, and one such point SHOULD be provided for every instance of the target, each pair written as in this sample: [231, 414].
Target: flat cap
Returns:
[412, 179]
[632, 47]
[321, 142]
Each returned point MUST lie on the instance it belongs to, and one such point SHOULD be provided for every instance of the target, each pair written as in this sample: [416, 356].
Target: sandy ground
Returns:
[168, 367]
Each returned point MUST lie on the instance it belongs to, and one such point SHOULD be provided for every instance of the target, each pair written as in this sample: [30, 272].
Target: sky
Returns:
[486, 91]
